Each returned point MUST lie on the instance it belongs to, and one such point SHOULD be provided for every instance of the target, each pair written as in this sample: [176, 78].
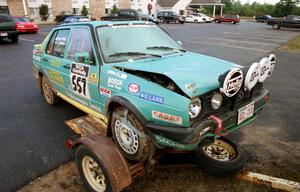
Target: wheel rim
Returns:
[93, 174]
[126, 136]
[47, 91]
[220, 151]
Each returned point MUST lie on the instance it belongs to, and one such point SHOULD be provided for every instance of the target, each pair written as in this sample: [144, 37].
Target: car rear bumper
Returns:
[192, 136]
[22, 30]
[9, 34]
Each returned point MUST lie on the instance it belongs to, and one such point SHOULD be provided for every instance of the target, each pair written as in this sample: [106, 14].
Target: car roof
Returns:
[104, 23]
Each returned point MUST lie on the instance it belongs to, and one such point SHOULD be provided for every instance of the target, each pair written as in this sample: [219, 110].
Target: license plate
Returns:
[3, 34]
[245, 112]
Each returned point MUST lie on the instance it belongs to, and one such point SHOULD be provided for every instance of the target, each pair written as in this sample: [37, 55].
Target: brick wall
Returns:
[61, 5]
[124, 4]
[16, 7]
[97, 9]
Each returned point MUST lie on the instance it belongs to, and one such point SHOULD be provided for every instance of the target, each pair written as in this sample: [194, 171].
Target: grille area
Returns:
[229, 103]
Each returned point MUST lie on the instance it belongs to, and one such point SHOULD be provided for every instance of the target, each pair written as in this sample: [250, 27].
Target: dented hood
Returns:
[194, 73]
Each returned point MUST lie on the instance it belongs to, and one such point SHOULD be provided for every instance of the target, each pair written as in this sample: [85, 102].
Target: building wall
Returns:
[61, 5]
[97, 9]
[124, 4]
[3, 3]
[33, 7]
[16, 7]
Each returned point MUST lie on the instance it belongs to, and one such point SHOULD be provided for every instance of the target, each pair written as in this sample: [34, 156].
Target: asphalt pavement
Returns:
[32, 133]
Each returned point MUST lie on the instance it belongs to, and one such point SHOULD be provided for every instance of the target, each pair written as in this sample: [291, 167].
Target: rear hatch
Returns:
[7, 23]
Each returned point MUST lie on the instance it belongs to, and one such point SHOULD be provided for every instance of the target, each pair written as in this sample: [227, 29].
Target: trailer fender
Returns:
[106, 151]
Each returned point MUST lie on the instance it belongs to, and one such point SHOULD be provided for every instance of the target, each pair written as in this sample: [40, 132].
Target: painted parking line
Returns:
[232, 46]
[242, 41]
[29, 40]
[257, 38]
[260, 35]
[44, 33]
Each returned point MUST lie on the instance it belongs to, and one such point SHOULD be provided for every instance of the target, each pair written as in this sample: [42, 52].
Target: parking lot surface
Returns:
[32, 134]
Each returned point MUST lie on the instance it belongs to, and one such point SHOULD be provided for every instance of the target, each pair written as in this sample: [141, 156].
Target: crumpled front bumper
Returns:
[189, 138]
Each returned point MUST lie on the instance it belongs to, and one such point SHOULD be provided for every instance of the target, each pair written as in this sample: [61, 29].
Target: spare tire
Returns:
[221, 158]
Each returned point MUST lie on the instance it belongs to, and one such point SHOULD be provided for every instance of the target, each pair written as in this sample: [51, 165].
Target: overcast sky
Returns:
[261, 1]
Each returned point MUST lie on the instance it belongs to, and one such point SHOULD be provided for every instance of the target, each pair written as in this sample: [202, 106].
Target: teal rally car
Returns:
[147, 88]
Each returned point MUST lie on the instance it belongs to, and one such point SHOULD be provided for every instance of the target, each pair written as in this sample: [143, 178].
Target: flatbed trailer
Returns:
[91, 132]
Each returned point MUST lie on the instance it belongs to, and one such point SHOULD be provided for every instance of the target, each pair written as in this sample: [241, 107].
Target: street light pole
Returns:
[25, 8]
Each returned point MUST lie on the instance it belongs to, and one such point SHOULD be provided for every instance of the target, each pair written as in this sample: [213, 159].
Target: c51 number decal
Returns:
[79, 79]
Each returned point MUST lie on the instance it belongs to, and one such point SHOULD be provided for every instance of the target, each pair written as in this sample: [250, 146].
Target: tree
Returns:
[84, 11]
[114, 10]
[44, 12]
[285, 7]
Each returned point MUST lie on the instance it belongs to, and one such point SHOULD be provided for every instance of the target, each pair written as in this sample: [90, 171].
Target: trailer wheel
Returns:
[129, 135]
[221, 158]
[93, 173]
[49, 94]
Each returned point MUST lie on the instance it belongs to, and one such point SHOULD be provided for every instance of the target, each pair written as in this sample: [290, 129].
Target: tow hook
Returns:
[219, 128]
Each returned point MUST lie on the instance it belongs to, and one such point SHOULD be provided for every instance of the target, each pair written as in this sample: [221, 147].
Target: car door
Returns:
[54, 61]
[83, 72]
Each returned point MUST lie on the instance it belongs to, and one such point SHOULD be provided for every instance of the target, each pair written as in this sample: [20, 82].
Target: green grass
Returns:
[293, 45]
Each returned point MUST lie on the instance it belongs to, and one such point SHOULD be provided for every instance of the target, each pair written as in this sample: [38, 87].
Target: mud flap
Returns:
[106, 151]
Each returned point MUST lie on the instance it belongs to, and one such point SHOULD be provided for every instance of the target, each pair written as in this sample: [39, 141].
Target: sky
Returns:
[261, 1]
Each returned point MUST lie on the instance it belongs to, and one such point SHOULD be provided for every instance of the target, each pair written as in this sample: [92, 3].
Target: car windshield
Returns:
[5, 18]
[21, 19]
[133, 42]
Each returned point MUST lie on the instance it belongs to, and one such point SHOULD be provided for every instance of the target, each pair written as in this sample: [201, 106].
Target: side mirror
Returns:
[179, 42]
[83, 57]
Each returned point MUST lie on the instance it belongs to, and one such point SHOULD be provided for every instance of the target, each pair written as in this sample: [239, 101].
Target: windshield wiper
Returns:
[164, 48]
[133, 54]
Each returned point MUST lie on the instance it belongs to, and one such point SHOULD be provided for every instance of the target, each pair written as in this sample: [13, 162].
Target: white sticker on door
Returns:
[79, 80]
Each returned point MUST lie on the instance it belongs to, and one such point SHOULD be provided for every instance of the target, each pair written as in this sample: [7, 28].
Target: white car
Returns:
[198, 18]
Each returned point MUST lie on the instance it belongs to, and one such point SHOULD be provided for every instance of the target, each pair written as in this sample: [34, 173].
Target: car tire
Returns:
[50, 97]
[14, 39]
[276, 26]
[176, 21]
[129, 135]
[92, 171]
[232, 22]
[221, 158]
[195, 21]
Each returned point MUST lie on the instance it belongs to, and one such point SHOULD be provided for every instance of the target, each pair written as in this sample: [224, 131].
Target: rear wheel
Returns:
[14, 39]
[129, 134]
[276, 26]
[195, 21]
[176, 21]
[50, 97]
[233, 22]
[92, 171]
[221, 158]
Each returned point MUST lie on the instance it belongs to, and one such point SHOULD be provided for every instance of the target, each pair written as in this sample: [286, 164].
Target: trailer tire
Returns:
[134, 144]
[87, 163]
[50, 97]
[210, 160]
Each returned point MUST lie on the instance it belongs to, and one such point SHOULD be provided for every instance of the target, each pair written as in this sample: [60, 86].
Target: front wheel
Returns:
[221, 158]
[92, 171]
[129, 134]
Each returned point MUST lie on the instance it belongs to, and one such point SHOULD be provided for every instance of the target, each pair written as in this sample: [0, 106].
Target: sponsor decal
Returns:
[150, 97]
[166, 117]
[115, 83]
[56, 77]
[70, 95]
[55, 63]
[105, 92]
[79, 79]
[133, 88]
[117, 74]
[93, 78]
[36, 57]
[233, 82]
